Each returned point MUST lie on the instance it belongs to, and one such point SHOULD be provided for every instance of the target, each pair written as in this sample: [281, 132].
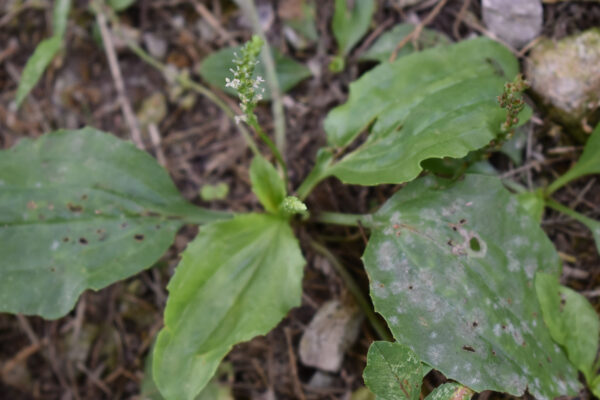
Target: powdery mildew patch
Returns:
[458, 286]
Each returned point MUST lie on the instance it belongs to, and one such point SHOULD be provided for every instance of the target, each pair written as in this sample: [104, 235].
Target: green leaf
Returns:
[572, 322]
[81, 209]
[351, 23]
[236, 280]
[383, 47]
[588, 163]
[60, 16]
[120, 5]
[533, 203]
[591, 224]
[214, 192]
[215, 68]
[437, 103]
[451, 269]
[267, 184]
[450, 391]
[393, 372]
[36, 65]
[595, 386]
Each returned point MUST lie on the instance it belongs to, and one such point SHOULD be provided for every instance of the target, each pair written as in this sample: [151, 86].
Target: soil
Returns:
[98, 351]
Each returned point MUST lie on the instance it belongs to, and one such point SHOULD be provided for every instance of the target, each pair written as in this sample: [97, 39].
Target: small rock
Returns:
[517, 22]
[332, 331]
[156, 45]
[566, 77]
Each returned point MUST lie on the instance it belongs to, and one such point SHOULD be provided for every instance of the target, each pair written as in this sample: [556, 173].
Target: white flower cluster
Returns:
[249, 89]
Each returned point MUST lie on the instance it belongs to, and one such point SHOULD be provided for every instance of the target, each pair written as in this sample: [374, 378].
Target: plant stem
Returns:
[186, 83]
[335, 218]
[381, 331]
[272, 81]
[272, 147]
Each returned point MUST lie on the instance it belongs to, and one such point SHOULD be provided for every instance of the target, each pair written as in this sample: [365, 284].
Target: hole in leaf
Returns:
[469, 348]
[475, 324]
[474, 244]
[74, 207]
[84, 197]
[83, 241]
[139, 237]
[65, 239]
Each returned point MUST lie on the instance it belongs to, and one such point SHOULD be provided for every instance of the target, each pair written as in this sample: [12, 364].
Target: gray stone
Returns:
[516, 22]
[333, 329]
[565, 75]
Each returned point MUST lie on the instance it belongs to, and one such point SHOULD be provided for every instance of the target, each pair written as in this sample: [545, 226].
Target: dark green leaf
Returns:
[451, 269]
[351, 23]
[450, 391]
[120, 5]
[588, 163]
[215, 68]
[383, 47]
[267, 184]
[437, 103]
[572, 322]
[393, 372]
[236, 280]
[81, 209]
[36, 65]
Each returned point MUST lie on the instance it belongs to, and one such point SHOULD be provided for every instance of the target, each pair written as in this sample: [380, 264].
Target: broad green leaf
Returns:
[393, 372]
[215, 68]
[267, 184]
[450, 391]
[591, 224]
[595, 386]
[36, 65]
[60, 16]
[236, 280]
[588, 163]
[81, 209]
[451, 269]
[351, 20]
[437, 103]
[572, 322]
[384, 46]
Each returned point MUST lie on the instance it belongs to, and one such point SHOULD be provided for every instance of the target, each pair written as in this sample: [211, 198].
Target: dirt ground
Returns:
[98, 350]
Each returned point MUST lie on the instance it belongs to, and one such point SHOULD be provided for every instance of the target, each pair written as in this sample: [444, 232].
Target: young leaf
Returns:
[36, 65]
[454, 281]
[59, 17]
[236, 280]
[81, 209]
[393, 372]
[120, 5]
[267, 184]
[572, 322]
[351, 23]
[437, 103]
[44, 52]
[588, 163]
[383, 47]
[450, 391]
[215, 68]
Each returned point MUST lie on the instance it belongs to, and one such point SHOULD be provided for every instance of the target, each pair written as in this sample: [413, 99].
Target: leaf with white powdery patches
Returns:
[450, 391]
[455, 284]
[236, 280]
[393, 372]
[81, 209]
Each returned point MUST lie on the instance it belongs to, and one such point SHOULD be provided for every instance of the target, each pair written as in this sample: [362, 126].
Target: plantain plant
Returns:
[462, 273]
